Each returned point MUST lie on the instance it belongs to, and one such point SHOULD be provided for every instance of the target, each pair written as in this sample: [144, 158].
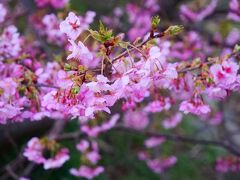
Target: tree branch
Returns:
[183, 139]
[170, 137]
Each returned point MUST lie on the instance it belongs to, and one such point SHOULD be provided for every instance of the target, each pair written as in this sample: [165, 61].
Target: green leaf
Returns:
[174, 30]
[95, 35]
[155, 22]
[236, 48]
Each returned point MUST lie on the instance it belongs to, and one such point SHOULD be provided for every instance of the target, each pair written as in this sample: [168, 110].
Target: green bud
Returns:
[67, 67]
[236, 48]
[103, 34]
[1, 91]
[75, 90]
[155, 22]
[101, 28]
[81, 68]
[89, 77]
[174, 30]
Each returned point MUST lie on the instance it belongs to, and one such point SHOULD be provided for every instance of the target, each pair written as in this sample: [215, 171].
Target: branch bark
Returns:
[183, 139]
[170, 137]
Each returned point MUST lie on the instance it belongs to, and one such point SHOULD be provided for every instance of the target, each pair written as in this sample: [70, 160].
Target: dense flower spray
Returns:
[108, 81]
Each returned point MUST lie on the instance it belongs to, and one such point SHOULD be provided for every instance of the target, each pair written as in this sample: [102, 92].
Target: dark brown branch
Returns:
[178, 138]
[11, 173]
[47, 86]
[170, 137]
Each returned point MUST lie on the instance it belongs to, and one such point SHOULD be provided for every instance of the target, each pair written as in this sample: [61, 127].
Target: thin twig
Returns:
[138, 46]
[178, 138]
[11, 173]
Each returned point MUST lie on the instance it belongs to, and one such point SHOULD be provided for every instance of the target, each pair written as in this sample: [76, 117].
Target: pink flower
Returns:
[173, 121]
[143, 155]
[52, 31]
[8, 86]
[189, 15]
[213, 119]
[136, 119]
[128, 105]
[111, 123]
[234, 10]
[93, 157]
[96, 130]
[71, 26]
[10, 42]
[228, 164]
[83, 145]
[3, 13]
[155, 52]
[42, 3]
[158, 105]
[87, 172]
[157, 58]
[100, 85]
[8, 111]
[159, 165]
[58, 4]
[140, 18]
[216, 92]
[154, 141]
[58, 160]
[80, 52]
[196, 107]
[23, 178]
[216, 119]
[233, 37]
[224, 74]
[35, 152]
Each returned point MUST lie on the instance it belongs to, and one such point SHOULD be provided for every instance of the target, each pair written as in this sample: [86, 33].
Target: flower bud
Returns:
[155, 21]
[236, 48]
[67, 67]
[75, 90]
[174, 30]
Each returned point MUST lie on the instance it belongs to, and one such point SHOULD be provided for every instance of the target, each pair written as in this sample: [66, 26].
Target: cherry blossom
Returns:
[71, 26]
[224, 74]
[154, 141]
[136, 119]
[159, 165]
[195, 106]
[137, 81]
[189, 15]
[35, 152]
[234, 9]
[3, 13]
[58, 4]
[173, 121]
[87, 172]
[80, 52]
[10, 43]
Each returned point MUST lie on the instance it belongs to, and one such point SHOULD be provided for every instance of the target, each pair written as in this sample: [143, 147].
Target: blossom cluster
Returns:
[97, 72]
[57, 4]
[228, 164]
[46, 152]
